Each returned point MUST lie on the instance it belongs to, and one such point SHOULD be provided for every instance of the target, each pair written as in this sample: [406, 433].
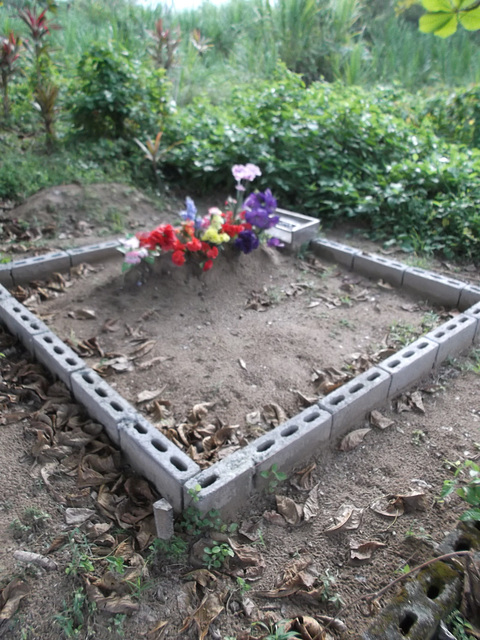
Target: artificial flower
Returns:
[245, 172]
[212, 235]
[178, 258]
[246, 241]
[208, 265]
[194, 245]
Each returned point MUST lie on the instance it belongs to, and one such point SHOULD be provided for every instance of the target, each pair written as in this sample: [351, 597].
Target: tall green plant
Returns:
[9, 55]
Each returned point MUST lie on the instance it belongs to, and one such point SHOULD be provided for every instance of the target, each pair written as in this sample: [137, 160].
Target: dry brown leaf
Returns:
[250, 529]
[158, 631]
[152, 362]
[334, 623]
[147, 396]
[363, 551]
[86, 314]
[112, 603]
[415, 501]
[209, 609]
[353, 439]
[144, 347]
[380, 421]
[273, 517]
[307, 401]
[200, 411]
[308, 628]
[304, 479]
[248, 562]
[289, 509]
[273, 414]
[416, 401]
[387, 509]
[311, 506]
[294, 579]
[10, 598]
[348, 518]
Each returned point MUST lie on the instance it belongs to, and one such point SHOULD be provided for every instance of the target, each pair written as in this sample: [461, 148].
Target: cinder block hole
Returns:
[439, 334]
[116, 406]
[101, 392]
[178, 464]
[159, 446]
[55, 255]
[407, 622]
[373, 376]
[311, 416]
[356, 388]
[434, 590]
[422, 345]
[35, 326]
[207, 482]
[18, 310]
[289, 431]
[337, 400]
[140, 428]
[25, 317]
[393, 364]
[408, 354]
[71, 361]
[265, 446]
[47, 339]
[454, 282]
[39, 259]
[58, 349]
[451, 327]
[462, 544]
[87, 377]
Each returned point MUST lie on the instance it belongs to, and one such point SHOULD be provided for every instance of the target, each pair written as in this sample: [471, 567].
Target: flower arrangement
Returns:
[202, 239]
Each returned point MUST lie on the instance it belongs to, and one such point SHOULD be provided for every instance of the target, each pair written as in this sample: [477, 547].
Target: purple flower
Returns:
[260, 210]
[245, 172]
[275, 242]
[246, 241]
[191, 210]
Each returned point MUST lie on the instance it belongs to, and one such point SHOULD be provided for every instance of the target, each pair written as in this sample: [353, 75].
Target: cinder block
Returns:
[225, 486]
[102, 403]
[334, 251]
[453, 337]
[20, 321]
[469, 296]
[290, 443]
[156, 458]
[433, 286]
[350, 403]
[410, 364]
[474, 312]
[56, 356]
[4, 293]
[39, 267]
[94, 252]
[378, 267]
[6, 274]
[163, 514]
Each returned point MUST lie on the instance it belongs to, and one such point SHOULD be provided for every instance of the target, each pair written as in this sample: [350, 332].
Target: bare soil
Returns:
[256, 338]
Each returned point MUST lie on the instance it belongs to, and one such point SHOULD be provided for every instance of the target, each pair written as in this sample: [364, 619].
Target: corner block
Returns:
[20, 321]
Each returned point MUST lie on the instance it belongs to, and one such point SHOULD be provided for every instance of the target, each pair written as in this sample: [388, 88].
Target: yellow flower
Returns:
[212, 235]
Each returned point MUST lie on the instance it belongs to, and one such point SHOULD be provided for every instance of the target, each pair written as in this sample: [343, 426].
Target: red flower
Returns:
[164, 236]
[178, 258]
[232, 229]
[194, 245]
[212, 252]
[208, 265]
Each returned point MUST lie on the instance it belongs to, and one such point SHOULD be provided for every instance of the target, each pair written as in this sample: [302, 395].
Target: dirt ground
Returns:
[214, 362]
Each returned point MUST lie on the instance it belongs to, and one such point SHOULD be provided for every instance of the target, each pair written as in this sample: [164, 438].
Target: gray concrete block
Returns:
[56, 356]
[156, 458]
[291, 443]
[163, 514]
[95, 252]
[379, 268]
[6, 274]
[101, 402]
[350, 403]
[334, 251]
[453, 337]
[20, 321]
[4, 293]
[433, 286]
[225, 486]
[474, 312]
[39, 267]
[469, 296]
[410, 364]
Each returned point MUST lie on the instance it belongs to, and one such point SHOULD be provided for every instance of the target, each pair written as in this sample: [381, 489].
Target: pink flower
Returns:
[245, 172]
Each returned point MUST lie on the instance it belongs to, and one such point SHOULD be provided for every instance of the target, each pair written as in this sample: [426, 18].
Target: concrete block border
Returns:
[227, 484]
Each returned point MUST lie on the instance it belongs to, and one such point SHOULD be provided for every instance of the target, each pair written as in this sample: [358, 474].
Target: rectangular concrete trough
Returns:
[433, 286]
[39, 267]
[350, 403]
[101, 401]
[334, 251]
[410, 364]
[474, 312]
[453, 337]
[56, 356]
[20, 321]
[379, 268]
[6, 274]
[155, 457]
[291, 443]
[469, 296]
[94, 252]
[225, 486]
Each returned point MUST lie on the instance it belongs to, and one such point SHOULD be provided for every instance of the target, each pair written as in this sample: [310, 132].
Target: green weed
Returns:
[214, 557]
[469, 491]
[274, 476]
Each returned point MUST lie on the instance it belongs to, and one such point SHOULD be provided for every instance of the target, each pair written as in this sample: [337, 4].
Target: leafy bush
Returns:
[115, 96]
[338, 153]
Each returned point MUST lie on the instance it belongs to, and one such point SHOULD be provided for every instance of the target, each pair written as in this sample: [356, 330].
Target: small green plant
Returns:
[35, 518]
[214, 557]
[348, 324]
[274, 476]
[73, 617]
[118, 622]
[18, 529]
[417, 534]
[194, 522]
[470, 492]
[277, 631]
[194, 491]
[175, 548]
[116, 565]
[459, 626]
[328, 594]
[418, 437]
[402, 333]
[473, 362]
[80, 560]
[243, 586]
